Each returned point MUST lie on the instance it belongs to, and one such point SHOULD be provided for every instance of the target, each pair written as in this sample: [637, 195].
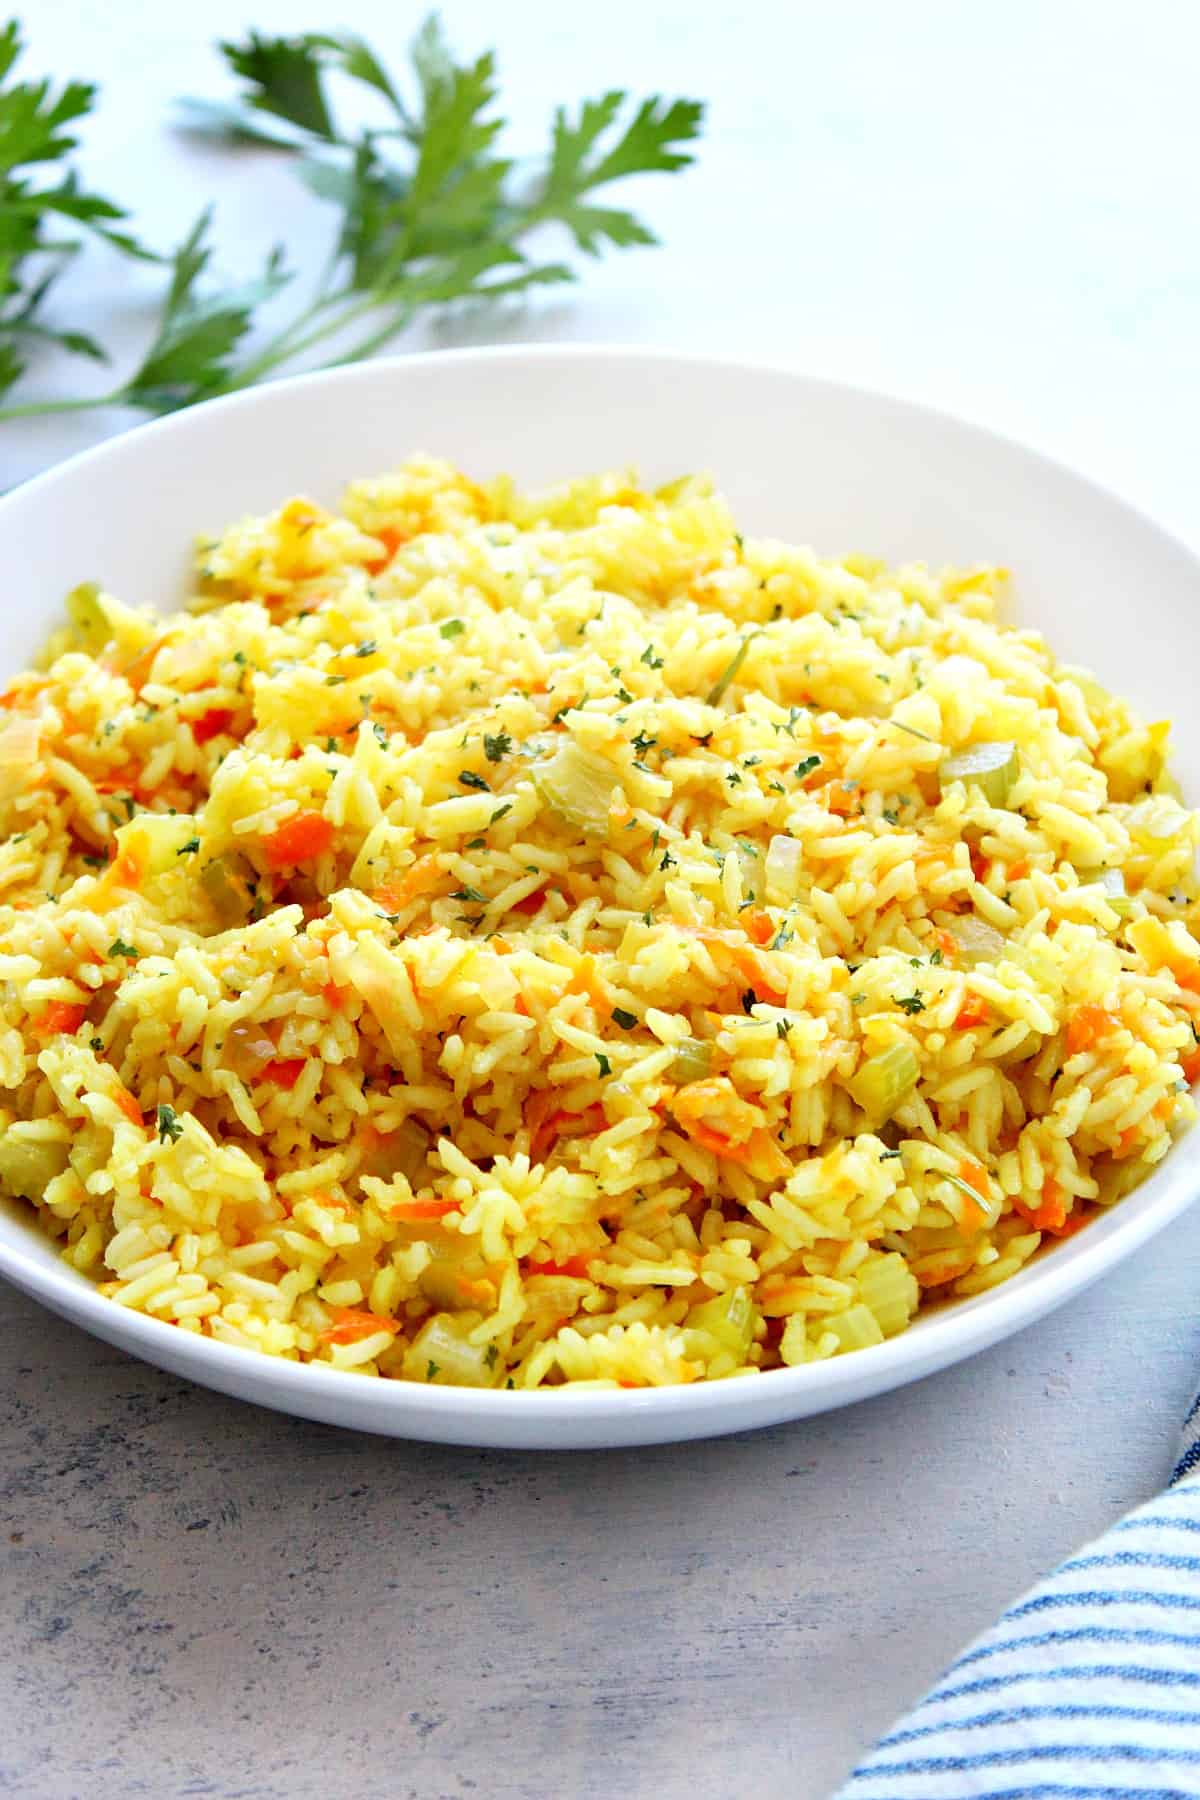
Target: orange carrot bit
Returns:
[576, 1267]
[423, 875]
[1127, 1143]
[391, 537]
[1190, 1064]
[298, 840]
[980, 865]
[211, 724]
[129, 1106]
[410, 1212]
[334, 996]
[285, 1073]
[946, 943]
[758, 925]
[351, 1325]
[531, 903]
[973, 1011]
[1018, 869]
[975, 1177]
[1051, 1212]
[1164, 1107]
[546, 1130]
[59, 1017]
[1087, 1026]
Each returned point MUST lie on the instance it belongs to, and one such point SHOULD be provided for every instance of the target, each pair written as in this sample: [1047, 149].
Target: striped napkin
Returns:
[1087, 1689]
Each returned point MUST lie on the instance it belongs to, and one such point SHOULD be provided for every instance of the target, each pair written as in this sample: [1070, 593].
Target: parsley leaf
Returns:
[469, 779]
[497, 748]
[626, 1020]
[605, 1065]
[429, 210]
[168, 1125]
[911, 1004]
[119, 947]
[451, 628]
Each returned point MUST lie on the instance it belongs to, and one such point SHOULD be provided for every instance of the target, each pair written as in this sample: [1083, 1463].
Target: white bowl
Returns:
[804, 459]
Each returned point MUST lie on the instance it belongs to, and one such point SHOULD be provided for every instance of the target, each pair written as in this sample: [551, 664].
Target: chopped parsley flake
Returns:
[605, 1065]
[119, 947]
[626, 1020]
[651, 658]
[911, 1004]
[806, 766]
[168, 1125]
[469, 779]
[190, 848]
[451, 628]
[749, 1000]
[497, 748]
[467, 893]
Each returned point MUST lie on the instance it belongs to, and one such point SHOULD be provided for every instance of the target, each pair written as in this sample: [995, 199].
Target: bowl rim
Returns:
[963, 1328]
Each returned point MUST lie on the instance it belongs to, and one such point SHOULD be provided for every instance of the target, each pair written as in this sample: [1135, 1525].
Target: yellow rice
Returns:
[328, 1028]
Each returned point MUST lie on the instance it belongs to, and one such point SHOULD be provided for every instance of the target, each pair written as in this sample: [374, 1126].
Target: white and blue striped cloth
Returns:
[1087, 1689]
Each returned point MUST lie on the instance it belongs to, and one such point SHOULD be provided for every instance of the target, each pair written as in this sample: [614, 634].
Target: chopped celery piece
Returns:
[87, 615]
[1112, 881]
[855, 1329]
[442, 1353]
[227, 882]
[578, 787]
[885, 1081]
[28, 1165]
[992, 768]
[729, 1319]
[889, 1287]
[785, 859]
[692, 1062]
[1157, 825]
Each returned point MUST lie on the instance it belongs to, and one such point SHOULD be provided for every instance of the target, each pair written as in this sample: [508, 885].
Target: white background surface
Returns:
[989, 207]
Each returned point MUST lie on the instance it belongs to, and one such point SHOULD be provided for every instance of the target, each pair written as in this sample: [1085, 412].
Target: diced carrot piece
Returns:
[129, 1106]
[1190, 1064]
[531, 903]
[975, 1177]
[211, 724]
[59, 1017]
[350, 1326]
[758, 925]
[574, 1266]
[973, 1011]
[298, 840]
[1018, 869]
[285, 1073]
[334, 996]
[946, 943]
[1087, 1026]
[1051, 1212]
[419, 1207]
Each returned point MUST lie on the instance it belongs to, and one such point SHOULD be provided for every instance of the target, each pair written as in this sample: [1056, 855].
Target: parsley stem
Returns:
[35, 408]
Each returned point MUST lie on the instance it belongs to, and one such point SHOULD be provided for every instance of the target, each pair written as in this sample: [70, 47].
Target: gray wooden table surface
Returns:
[990, 207]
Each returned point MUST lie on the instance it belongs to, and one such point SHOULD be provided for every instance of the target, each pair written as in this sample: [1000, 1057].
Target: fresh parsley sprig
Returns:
[35, 137]
[429, 211]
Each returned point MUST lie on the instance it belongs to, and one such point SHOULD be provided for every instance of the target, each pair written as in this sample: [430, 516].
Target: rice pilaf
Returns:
[507, 940]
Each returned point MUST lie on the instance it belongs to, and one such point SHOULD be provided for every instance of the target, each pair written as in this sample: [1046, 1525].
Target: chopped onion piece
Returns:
[693, 1061]
[785, 859]
[976, 941]
[578, 787]
[729, 1318]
